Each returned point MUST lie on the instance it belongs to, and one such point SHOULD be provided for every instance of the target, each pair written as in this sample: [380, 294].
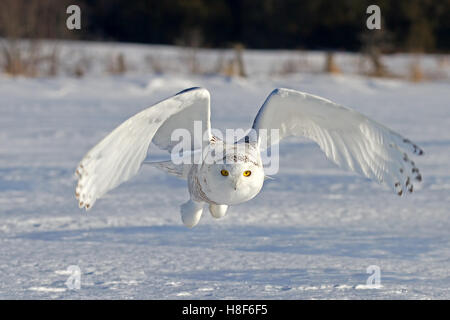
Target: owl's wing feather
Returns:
[348, 138]
[120, 154]
[178, 170]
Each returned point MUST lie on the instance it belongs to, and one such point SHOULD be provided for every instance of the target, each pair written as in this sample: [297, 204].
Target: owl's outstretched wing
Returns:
[120, 154]
[348, 138]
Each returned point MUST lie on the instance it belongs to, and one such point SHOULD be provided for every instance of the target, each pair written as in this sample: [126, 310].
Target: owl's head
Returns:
[237, 178]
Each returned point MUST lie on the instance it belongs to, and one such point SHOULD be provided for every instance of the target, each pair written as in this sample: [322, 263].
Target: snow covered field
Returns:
[310, 234]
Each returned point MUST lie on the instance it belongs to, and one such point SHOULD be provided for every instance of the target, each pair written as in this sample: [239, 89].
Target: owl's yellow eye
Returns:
[247, 173]
[224, 172]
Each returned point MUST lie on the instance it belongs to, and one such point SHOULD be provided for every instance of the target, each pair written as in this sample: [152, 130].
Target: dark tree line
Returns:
[412, 25]
[407, 25]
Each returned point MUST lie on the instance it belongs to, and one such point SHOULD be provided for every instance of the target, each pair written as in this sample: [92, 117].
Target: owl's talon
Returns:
[218, 210]
[191, 212]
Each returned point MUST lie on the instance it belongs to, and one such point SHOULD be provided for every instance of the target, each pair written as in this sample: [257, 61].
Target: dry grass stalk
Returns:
[330, 64]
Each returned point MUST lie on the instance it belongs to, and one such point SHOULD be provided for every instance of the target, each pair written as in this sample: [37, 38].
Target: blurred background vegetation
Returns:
[411, 26]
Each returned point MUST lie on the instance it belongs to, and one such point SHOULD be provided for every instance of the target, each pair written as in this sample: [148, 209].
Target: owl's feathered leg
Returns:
[191, 212]
[218, 210]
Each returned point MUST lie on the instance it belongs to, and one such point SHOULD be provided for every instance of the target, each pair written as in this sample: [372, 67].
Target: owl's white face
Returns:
[231, 182]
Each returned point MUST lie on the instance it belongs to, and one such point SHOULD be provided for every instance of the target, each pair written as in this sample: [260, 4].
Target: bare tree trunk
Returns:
[374, 43]
[379, 70]
[239, 49]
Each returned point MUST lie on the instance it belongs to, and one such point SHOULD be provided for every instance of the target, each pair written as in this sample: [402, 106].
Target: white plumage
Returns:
[348, 138]
[120, 154]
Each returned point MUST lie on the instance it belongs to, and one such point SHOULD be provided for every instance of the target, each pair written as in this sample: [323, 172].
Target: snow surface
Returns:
[310, 234]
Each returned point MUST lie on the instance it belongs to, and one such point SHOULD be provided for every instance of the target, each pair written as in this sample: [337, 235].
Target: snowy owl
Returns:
[234, 172]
